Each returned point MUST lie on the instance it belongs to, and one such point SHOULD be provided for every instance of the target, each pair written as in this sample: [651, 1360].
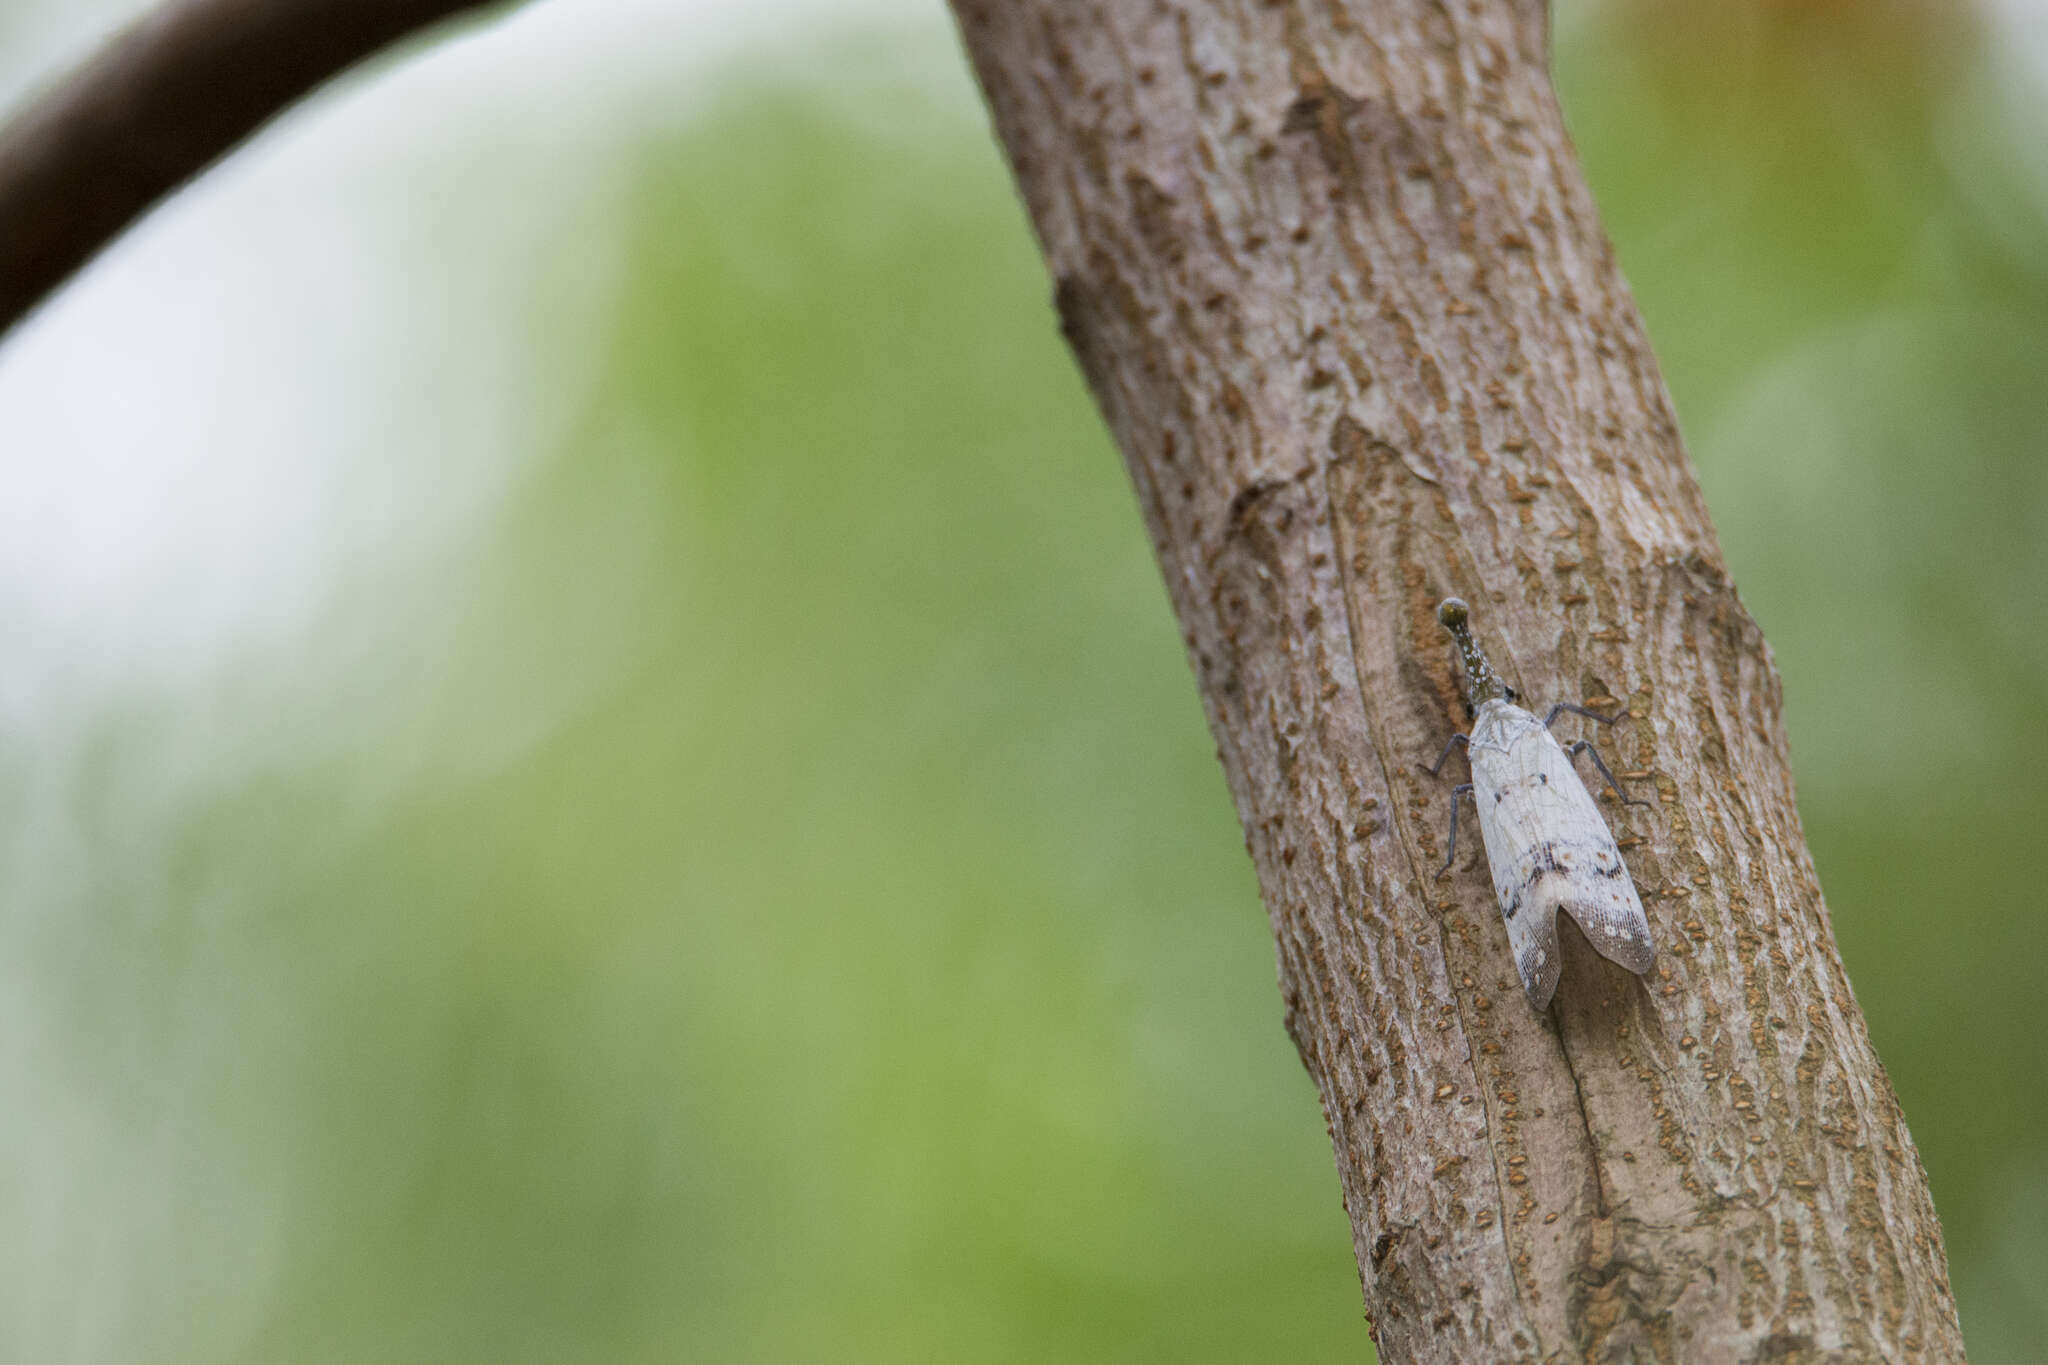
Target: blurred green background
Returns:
[593, 765]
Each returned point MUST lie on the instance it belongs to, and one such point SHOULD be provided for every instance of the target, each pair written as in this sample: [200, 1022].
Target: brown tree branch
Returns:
[157, 105]
[1340, 290]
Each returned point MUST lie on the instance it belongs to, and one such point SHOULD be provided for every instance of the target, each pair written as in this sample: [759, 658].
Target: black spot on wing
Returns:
[1560, 858]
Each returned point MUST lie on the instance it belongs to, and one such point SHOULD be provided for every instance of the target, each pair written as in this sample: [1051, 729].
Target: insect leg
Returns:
[1462, 789]
[1582, 746]
[1436, 769]
[1580, 710]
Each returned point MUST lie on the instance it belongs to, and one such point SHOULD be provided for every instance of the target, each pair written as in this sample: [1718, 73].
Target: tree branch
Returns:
[157, 105]
[1340, 290]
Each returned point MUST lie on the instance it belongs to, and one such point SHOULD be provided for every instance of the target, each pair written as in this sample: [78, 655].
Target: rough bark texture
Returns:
[156, 106]
[1340, 290]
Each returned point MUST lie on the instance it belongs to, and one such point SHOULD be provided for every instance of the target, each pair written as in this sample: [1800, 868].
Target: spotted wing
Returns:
[1549, 850]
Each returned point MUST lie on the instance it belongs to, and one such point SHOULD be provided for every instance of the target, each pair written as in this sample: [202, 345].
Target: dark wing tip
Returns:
[1623, 940]
[1538, 964]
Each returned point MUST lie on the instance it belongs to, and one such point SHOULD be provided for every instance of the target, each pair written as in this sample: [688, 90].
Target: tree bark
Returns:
[1340, 290]
[156, 106]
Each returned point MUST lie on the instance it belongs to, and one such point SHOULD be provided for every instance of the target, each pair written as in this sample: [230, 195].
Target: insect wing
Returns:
[1549, 850]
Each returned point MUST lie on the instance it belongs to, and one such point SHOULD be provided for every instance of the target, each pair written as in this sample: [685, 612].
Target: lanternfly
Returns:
[1545, 841]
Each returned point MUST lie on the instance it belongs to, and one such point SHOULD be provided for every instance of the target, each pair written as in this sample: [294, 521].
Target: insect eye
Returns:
[1512, 695]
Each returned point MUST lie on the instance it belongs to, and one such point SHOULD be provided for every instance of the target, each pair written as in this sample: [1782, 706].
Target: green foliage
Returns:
[767, 895]
[772, 899]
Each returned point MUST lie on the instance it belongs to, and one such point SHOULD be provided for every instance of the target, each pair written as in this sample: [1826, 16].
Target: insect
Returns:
[1545, 841]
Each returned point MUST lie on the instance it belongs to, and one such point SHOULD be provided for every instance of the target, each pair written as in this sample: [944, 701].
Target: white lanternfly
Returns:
[1545, 841]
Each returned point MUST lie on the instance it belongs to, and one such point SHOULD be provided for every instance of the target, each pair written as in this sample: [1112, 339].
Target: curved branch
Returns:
[157, 105]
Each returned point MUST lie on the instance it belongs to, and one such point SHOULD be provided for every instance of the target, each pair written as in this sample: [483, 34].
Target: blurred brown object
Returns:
[159, 103]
